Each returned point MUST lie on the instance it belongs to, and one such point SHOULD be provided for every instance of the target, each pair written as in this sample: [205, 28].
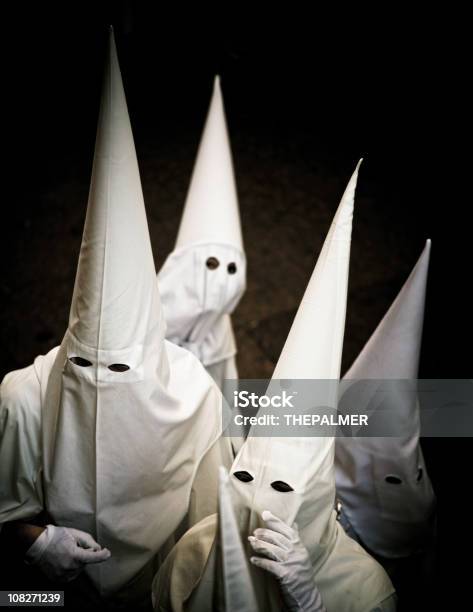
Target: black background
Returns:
[307, 93]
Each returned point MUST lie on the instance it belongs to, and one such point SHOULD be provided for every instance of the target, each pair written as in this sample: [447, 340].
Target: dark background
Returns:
[306, 95]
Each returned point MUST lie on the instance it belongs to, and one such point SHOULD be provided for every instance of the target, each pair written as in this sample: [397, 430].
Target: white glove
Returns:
[287, 559]
[62, 552]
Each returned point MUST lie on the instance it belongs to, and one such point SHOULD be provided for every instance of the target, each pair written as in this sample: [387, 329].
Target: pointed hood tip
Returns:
[211, 212]
[111, 39]
[217, 89]
[404, 316]
[298, 358]
[354, 177]
[426, 250]
[347, 201]
[357, 168]
[116, 217]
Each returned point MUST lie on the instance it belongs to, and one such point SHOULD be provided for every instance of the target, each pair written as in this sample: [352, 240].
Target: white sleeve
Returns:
[387, 605]
[20, 445]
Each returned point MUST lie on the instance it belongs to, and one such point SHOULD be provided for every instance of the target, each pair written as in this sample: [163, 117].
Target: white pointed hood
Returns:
[312, 350]
[237, 586]
[115, 302]
[204, 278]
[321, 314]
[393, 349]
[119, 410]
[211, 212]
[391, 518]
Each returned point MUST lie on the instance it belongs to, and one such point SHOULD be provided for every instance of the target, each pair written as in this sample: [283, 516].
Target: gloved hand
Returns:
[284, 556]
[62, 552]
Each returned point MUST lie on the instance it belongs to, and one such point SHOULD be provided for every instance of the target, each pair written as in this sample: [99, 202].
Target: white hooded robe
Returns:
[106, 432]
[204, 278]
[383, 483]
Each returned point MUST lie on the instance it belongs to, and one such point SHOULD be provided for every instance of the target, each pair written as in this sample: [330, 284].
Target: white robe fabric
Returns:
[125, 416]
[347, 578]
[21, 491]
[383, 483]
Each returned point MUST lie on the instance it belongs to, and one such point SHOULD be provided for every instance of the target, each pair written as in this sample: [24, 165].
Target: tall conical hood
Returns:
[386, 493]
[127, 417]
[312, 351]
[115, 302]
[238, 588]
[313, 348]
[211, 210]
[393, 349]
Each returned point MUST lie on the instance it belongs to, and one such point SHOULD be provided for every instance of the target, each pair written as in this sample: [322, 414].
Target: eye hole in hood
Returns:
[212, 263]
[281, 486]
[243, 476]
[232, 268]
[391, 479]
[80, 361]
[118, 367]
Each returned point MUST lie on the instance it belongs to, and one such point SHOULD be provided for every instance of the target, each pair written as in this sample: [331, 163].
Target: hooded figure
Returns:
[124, 416]
[386, 494]
[289, 482]
[203, 279]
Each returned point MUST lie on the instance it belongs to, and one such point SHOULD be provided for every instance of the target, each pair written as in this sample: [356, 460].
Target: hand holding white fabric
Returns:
[62, 552]
[285, 556]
